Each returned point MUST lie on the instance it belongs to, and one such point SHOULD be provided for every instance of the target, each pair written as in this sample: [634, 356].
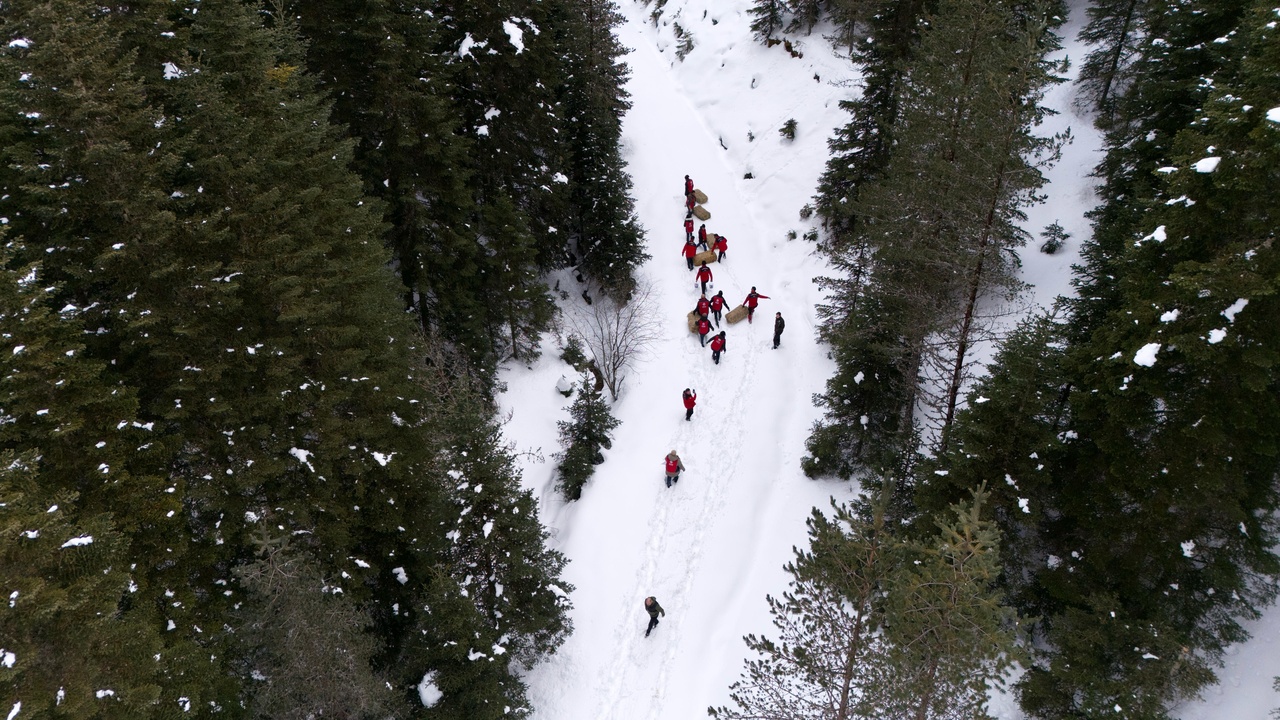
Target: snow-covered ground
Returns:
[713, 546]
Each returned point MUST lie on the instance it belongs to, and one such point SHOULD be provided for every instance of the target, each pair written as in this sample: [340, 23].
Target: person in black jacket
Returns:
[652, 607]
[778, 325]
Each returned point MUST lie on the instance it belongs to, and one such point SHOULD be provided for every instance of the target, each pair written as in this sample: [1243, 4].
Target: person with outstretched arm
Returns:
[778, 325]
[690, 399]
[753, 297]
[652, 607]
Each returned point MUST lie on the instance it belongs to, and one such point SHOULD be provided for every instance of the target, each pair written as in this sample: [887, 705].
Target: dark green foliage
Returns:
[879, 625]
[306, 641]
[603, 228]
[766, 18]
[590, 429]
[1054, 236]
[788, 130]
[1148, 489]
[1115, 30]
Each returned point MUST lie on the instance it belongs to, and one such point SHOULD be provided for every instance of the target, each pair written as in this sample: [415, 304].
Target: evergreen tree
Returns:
[1114, 31]
[766, 18]
[604, 229]
[590, 429]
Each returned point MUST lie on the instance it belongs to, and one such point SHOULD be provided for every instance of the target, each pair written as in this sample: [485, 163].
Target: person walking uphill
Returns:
[721, 245]
[690, 399]
[717, 304]
[652, 607]
[688, 229]
[689, 251]
[688, 185]
[753, 297]
[717, 347]
[704, 276]
[703, 307]
[674, 466]
[704, 327]
[702, 236]
[778, 325]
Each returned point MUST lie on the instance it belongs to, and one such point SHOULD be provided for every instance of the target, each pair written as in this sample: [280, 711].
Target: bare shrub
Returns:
[617, 334]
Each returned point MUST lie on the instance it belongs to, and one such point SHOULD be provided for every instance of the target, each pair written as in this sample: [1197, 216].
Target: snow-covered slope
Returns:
[712, 547]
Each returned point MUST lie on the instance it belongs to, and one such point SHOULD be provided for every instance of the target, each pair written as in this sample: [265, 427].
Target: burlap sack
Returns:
[700, 196]
[693, 321]
[736, 315]
[701, 213]
[706, 256]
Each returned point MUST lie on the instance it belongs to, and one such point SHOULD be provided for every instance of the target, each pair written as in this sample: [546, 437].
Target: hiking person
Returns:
[704, 276]
[704, 327]
[688, 229]
[702, 236]
[689, 251]
[717, 347]
[753, 297]
[689, 202]
[778, 325]
[652, 607]
[721, 245]
[688, 185]
[717, 304]
[674, 466]
[704, 307]
[690, 399]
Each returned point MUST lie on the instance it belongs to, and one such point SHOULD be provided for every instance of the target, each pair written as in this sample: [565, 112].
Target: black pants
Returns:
[653, 623]
[690, 263]
[673, 479]
[703, 338]
[715, 356]
[721, 256]
[704, 288]
[688, 413]
[751, 312]
[717, 315]
[777, 338]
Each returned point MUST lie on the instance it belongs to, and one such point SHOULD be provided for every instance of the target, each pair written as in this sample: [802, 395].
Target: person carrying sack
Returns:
[721, 245]
[704, 327]
[703, 307]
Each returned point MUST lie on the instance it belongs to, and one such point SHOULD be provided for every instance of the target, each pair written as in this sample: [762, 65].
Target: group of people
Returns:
[707, 309]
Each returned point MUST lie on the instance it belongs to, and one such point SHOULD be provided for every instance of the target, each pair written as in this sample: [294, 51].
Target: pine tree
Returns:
[766, 18]
[1115, 30]
[590, 429]
[604, 228]
[828, 623]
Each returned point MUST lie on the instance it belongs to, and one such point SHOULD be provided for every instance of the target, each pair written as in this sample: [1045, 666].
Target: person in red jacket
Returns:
[704, 276]
[753, 297]
[690, 399]
[704, 327]
[688, 185]
[704, 307]
[688, 229]
[717, 347]
[689, 251]
[717, 304]
[702, 236]
[689, 202]
[721, 245]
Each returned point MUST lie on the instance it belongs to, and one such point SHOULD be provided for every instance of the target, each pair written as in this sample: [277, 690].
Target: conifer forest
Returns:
[267, 268]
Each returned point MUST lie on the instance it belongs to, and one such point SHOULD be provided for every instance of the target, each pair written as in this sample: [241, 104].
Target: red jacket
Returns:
[717, 343]
[704, 326]
[688, 227]
[702, 232]
[721, 244]
[717, 303]
[689, 202]
[690, 400]
[688, 186]
[689, 250]
[703, 306]
[704, 274]
[751, 299]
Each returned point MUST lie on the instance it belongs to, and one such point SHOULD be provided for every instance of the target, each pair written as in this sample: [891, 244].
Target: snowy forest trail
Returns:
[712, 546]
